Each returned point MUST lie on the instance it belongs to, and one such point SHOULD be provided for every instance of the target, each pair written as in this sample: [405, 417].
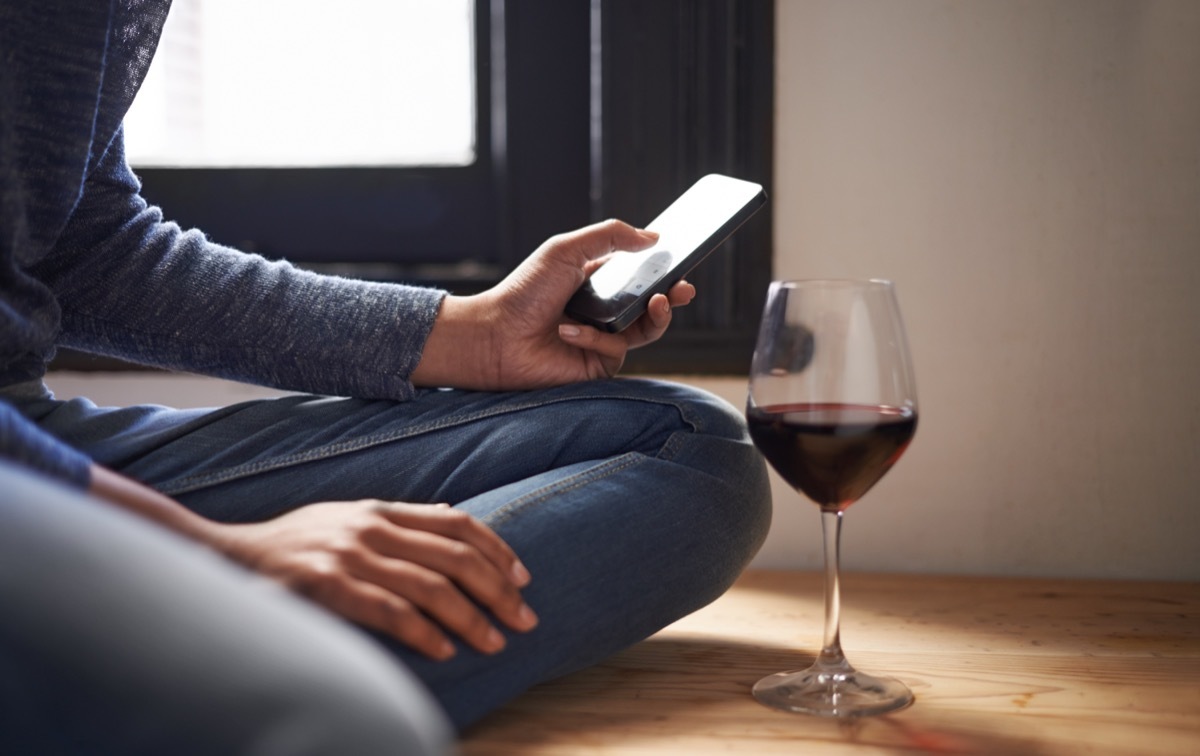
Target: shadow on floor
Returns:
[693, 695]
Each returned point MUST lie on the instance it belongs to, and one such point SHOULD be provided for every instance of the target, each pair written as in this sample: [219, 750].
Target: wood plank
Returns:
[998, 666]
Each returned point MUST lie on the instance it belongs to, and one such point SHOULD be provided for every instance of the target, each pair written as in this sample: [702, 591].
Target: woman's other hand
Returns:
[417, 572]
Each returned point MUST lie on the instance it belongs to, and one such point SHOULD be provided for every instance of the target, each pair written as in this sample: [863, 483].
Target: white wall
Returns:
[1029, 175]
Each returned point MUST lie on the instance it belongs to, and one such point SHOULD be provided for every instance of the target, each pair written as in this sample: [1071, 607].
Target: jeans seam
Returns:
[578, 480]
[195, 482]
[672, 446]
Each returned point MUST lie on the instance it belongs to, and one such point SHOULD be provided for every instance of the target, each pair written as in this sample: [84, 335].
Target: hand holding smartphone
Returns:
[693, 226]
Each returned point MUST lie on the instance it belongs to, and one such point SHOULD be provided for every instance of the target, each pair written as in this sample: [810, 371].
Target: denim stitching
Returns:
[565, 485]
[196, 482]
[672, 446]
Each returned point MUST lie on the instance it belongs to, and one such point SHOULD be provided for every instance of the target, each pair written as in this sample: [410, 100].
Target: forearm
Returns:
[218, 312]
[175, 299]
[145, 502]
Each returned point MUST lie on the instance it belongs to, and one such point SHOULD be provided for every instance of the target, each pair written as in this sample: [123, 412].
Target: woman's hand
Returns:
[408, 570]
[515, 335]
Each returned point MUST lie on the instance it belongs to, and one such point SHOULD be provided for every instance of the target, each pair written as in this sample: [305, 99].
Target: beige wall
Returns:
[1029, 175]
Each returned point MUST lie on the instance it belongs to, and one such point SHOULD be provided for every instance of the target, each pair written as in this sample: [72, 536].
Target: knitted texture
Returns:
[86, 262]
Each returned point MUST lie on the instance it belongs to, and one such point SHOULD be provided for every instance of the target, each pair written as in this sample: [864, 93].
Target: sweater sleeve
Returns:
[22, 442]
[134, 286]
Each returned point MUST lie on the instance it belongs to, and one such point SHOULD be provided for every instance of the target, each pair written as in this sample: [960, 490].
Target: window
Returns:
[579, 110]
[288, 83]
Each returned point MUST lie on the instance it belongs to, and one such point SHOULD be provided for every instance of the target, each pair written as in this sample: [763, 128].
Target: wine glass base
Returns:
[842, 693]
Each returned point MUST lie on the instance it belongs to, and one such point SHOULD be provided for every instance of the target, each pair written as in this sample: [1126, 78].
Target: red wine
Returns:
[833, 453]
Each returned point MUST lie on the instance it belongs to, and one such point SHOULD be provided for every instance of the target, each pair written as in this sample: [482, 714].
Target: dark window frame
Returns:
[589, 109]
[687, 89]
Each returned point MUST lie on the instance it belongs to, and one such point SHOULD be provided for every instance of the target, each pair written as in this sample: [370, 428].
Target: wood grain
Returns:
[998, 666]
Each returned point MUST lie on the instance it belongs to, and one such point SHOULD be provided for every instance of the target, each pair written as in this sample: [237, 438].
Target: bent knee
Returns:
[729, 508]
[702, 410]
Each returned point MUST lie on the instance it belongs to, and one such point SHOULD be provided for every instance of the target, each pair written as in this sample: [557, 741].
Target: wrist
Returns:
[457, 352]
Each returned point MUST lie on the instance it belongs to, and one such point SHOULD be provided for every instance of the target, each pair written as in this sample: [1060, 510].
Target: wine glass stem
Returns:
[831, 650]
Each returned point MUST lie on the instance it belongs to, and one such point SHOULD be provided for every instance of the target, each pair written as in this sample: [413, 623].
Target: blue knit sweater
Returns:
[85, 262]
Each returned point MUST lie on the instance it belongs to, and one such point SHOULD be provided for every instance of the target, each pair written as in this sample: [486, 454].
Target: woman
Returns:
[483, 509]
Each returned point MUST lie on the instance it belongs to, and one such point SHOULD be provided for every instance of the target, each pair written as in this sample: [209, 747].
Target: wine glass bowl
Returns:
[832, 406]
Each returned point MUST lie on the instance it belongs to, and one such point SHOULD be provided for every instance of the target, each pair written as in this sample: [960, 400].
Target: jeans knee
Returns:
[728, 509]
[739, 524]
[730, 471]
[701, 410]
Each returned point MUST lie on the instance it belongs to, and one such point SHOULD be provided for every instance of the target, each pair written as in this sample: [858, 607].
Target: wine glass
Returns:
[832, 405]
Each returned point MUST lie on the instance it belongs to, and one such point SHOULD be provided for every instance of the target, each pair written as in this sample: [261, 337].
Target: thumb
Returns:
[601, 239]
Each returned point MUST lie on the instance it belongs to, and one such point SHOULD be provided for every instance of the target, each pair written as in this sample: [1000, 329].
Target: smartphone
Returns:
[694, 225]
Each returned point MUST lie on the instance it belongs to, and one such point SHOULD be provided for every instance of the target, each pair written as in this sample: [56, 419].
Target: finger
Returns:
[449, 522]
[460, 562]
[599, 239]
[434, 594]
[606, 349]
[380, 609]
[658, 311]
[652, 324]
[681, 294]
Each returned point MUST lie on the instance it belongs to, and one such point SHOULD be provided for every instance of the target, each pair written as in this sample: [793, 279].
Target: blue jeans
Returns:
[632, 502]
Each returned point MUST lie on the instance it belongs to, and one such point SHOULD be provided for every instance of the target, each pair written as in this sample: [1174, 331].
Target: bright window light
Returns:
[309, 83]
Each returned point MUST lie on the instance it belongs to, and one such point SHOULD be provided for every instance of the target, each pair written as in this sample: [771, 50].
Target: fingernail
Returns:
[494, 641]
[526, 617]
[445, 650]
[569, 331]
[520, 575]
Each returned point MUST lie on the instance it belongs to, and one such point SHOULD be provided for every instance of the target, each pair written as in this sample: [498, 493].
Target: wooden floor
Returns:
[999, 666]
